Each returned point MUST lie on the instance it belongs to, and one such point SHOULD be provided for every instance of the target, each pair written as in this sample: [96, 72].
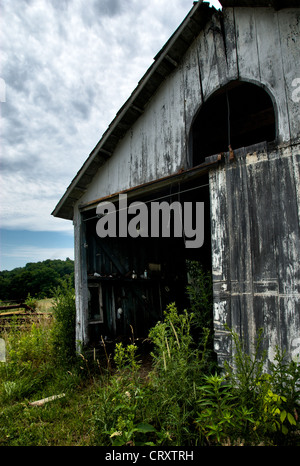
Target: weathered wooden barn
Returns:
[215, 119]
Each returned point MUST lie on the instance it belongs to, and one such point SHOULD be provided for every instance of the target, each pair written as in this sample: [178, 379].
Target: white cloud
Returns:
[35, 254]
[68, 66]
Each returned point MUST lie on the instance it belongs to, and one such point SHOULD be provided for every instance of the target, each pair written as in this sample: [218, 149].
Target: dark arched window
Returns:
[240, 114]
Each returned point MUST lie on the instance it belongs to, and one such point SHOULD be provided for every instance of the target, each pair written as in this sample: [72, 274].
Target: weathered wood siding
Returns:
[254, 200]
[256, 249]
[252, 44]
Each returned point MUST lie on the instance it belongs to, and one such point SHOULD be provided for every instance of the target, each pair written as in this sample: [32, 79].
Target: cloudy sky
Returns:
[66, 67]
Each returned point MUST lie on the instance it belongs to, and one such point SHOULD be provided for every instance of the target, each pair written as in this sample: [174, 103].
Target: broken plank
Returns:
[16, 306]
[46, 400]
[21, 313]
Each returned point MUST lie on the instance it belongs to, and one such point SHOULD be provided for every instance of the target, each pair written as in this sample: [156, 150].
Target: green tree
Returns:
[38, 279]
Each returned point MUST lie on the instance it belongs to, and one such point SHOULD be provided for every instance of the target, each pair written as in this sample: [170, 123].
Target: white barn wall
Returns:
[259, 46]
[156, 145]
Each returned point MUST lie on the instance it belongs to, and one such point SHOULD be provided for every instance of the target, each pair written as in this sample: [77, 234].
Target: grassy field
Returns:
[45, 305]
[64, 422]
[178, 399]
[31, 374]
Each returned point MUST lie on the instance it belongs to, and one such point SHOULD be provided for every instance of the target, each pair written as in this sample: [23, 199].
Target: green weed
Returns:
[182, 401]
[64, 311]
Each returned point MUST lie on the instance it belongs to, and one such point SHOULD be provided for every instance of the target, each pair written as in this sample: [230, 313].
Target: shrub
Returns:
[221, 416]
[31, 302]
[29, 361]
[286, 379]
[271, 398]
[34, 345]
[201, 296]
[247, 369]
[64, 322]
[125, 356]
[179, 366]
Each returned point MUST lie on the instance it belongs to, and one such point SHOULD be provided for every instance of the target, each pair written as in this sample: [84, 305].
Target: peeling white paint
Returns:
[156, 145]
[220, 312]
[255, 199]
[296, 349]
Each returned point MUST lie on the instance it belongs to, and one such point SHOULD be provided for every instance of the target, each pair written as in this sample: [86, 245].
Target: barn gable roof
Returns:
[165, 62]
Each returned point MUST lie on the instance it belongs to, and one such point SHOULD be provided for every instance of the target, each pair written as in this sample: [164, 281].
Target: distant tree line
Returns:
[38, 279]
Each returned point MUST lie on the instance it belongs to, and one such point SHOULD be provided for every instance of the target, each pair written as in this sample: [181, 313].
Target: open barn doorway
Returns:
[131, 280]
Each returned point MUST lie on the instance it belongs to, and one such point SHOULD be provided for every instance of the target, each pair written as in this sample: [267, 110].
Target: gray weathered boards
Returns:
[229, 77]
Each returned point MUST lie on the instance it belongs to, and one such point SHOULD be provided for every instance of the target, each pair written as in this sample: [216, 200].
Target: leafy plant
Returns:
[221, 416]
[271, 397]
[200, 294]
[172, 338]
[274, 415]
[125, 356]
[247, 369]
[64, 322]
[286, 379]
[129, 433]
[179, 403]
[120, 414]
[178, 368]
[31, 302]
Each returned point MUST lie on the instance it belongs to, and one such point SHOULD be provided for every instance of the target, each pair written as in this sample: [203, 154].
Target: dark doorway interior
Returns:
[240, 114]
[132, 280]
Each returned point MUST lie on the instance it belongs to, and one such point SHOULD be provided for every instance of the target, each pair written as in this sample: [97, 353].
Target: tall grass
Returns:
[35, 354]
[34, 370]
[183, 400]
[63, 333]
[182, 403]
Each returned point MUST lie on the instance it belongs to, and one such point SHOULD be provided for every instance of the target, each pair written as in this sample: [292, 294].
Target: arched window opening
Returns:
[240, 115]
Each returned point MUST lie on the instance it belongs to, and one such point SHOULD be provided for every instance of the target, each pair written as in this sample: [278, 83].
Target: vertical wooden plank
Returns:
[220, 262]
[81, 287]
[270, 65]
[220, 53]
[225, 62]
[239, 223]
[240, 248]
[217, 53]
[248, 62]
[264, 249]
[230, 44]
[192, 93]
[290, 325]
[165, 155]
[296, 170]
[288, 20]
[177, 116]
[269, 307]
[209, 74]
[287, 223]
[261, 212]
[219, 227]
[287, 238]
